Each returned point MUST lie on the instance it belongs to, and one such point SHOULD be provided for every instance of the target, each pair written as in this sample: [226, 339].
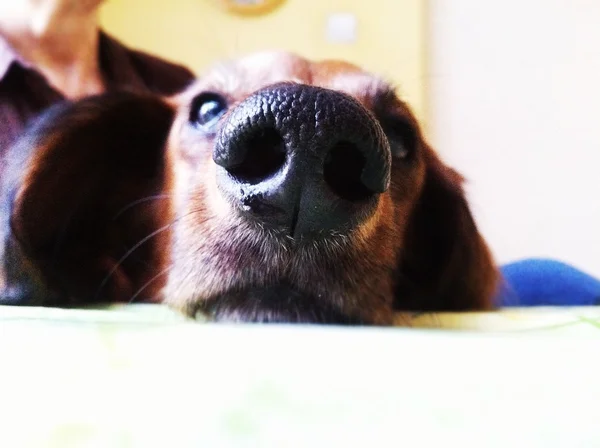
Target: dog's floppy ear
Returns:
[446, 264]
[85, 192]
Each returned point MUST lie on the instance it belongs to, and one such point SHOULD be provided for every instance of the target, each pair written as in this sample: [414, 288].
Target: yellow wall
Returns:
[197, 32]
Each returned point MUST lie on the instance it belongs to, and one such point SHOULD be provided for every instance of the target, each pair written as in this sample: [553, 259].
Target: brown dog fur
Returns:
[115, 197]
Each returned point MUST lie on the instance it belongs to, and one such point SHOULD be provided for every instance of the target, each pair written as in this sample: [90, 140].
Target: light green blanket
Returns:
[142, 376]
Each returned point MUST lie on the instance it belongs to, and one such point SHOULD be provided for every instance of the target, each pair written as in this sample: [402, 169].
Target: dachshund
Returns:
[275, 189]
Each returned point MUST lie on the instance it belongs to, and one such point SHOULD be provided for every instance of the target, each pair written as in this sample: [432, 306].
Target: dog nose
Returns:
[302, 158]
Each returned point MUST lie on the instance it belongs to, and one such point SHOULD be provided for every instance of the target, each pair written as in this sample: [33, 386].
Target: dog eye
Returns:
[402, 137]
[206, 110]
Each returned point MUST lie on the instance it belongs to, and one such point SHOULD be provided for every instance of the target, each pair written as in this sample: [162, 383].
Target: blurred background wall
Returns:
[389, 33]
[514, 89]
[509, 92]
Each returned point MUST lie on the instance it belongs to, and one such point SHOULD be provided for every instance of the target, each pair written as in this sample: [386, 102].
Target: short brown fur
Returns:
[420, 250]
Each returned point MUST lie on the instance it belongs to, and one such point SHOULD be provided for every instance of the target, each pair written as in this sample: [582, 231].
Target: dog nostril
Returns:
[343, 169]
[264, 155]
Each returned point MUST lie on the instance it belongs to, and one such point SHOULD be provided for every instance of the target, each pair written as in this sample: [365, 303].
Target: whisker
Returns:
[140, 201]
[148, 283]
[127, 254]
[137, 246]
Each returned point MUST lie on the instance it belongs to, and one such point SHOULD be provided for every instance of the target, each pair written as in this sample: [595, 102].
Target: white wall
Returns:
[515, 105]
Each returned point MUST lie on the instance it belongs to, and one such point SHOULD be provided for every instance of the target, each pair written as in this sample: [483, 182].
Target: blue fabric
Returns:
[546, 282]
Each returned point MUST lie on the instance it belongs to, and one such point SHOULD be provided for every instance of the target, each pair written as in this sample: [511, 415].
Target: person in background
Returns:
[54, 50]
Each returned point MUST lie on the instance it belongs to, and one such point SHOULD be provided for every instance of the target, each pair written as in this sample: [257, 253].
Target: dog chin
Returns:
[280, 303]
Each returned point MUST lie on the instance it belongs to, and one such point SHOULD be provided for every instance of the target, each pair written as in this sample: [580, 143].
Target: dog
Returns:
[274, 189]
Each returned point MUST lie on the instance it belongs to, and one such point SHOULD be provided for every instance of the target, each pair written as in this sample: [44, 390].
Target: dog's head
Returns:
[275, 189]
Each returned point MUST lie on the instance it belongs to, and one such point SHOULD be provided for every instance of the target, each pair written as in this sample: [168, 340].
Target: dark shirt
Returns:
[24, 92]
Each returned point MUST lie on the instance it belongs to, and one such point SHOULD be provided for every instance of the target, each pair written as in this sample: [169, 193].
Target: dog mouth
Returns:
[278, 303]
